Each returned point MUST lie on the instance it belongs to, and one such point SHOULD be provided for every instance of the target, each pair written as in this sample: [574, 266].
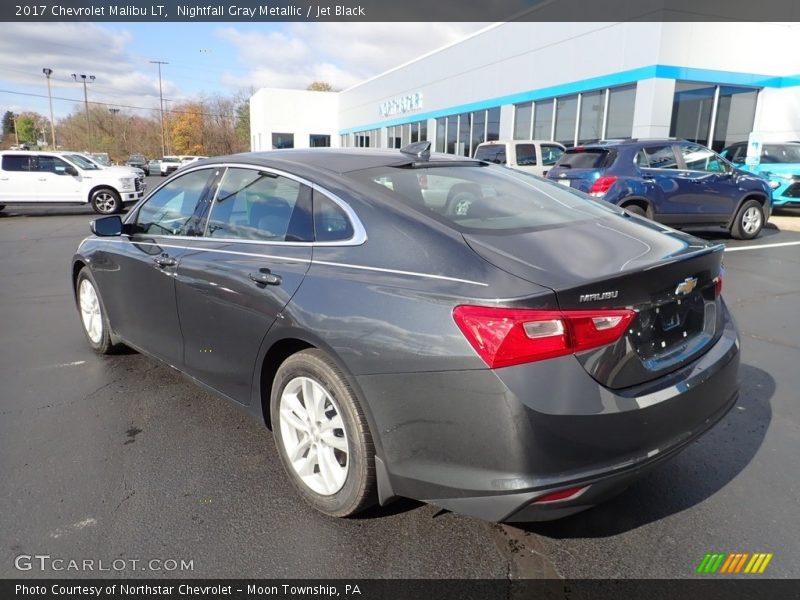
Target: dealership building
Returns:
[713, 83]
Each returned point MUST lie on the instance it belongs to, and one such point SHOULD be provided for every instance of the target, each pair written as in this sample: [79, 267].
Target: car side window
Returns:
[171, 210]
[660, 157]
[526, 155]
[52, 164]
[331, 223]
[258, 205]
[698, 158]
[551, 154]
[16, 162]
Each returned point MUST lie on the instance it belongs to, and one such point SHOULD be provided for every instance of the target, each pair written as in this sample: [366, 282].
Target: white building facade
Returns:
[575, 83]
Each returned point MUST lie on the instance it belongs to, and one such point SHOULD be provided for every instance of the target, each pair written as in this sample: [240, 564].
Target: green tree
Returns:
[26, 130]
[8, 123]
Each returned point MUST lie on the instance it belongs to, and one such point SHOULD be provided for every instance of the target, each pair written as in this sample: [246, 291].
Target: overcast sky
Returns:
[205, 58]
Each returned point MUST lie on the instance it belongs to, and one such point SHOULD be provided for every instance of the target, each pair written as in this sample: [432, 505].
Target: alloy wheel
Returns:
[90, 311]
[751, 220]
[313, 435]
[105, 202]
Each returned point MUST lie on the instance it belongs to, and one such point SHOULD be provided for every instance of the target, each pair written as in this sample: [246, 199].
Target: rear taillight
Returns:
[602, 185]
[718, 286]
[511, 336]
[561, 495]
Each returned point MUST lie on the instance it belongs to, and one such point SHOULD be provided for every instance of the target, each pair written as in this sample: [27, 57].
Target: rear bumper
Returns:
[489, 443]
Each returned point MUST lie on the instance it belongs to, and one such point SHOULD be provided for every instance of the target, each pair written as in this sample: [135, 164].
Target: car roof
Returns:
[629, 142]
[333, 160]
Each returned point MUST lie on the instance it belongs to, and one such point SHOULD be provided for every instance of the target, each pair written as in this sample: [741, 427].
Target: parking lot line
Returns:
[782, 244]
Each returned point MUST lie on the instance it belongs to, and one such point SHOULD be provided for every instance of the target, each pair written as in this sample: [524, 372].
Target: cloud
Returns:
[341, 54]
[80, 48]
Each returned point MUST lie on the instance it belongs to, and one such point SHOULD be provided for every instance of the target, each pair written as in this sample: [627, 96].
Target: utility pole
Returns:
[16, 135]
[114, 112]
[166, 110]
[85, 79]
[161, 105]
[47, 72]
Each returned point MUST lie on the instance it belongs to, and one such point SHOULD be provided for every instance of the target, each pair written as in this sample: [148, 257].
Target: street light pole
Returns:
[47, 72]
[161, 105]
[85, 79]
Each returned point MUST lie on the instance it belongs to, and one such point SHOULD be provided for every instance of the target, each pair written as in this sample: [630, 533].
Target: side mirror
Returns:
[107, 226]
[70, 170]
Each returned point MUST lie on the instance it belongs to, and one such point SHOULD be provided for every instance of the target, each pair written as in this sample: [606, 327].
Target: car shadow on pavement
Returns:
[695, 474]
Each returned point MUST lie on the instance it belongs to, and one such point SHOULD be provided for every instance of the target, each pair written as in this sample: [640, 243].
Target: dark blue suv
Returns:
[674, 182]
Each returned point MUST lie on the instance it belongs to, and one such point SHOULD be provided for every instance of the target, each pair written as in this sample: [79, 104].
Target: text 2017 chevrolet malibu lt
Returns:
[422, 326]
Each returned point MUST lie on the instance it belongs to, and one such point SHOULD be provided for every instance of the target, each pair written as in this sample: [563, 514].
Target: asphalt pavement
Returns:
[120, 458]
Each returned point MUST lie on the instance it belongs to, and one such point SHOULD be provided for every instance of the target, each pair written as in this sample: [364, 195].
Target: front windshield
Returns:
[483, 199]
[780, 153]
[83, 162]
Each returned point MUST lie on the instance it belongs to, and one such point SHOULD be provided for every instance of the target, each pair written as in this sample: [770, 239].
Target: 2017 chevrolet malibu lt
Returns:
[421, 325]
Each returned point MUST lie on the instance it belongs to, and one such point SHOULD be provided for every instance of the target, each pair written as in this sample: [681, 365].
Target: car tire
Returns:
[331, 425]
[636, 209]
[106, 201]
[749, 221]
[93, 316]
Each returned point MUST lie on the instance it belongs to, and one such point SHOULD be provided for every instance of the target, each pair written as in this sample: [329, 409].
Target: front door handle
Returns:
[165, 260]
[265, 277]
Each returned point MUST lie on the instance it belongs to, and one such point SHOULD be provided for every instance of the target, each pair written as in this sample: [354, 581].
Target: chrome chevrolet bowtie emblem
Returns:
[686, 286]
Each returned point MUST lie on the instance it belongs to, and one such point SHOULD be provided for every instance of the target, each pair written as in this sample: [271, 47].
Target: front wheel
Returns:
[322, 435]
[106, 202]
[749, 221]
[93, 315]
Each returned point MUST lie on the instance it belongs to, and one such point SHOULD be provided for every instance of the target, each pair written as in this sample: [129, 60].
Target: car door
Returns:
[713, 192]
[17, 178]
[54, 182]
[234, 281]
[658, 166]
[136, 272]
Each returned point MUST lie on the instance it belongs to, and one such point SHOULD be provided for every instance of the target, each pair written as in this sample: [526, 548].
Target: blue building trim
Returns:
[593, 83]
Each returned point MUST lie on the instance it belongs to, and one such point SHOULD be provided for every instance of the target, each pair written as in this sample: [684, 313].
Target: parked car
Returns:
[140, 162]
[532, 156]
[154, 166]
[188, 160]
[101, 158]
[779, 164]
[168, 165]
[138, 173]
[675, 182]
[64, 178]
[529, 355]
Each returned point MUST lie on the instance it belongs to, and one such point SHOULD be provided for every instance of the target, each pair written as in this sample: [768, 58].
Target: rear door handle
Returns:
[165, 260]
[265, 277]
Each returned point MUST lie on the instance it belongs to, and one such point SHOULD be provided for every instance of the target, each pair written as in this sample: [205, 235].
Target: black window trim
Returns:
[358, 238]
[675, 154]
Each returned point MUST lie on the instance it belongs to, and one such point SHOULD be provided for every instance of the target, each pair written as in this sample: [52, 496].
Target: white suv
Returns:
[64, 178]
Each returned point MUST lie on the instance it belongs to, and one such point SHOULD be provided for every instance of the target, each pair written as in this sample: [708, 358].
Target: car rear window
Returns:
[482, 199]
[587, 158]
[495, 153]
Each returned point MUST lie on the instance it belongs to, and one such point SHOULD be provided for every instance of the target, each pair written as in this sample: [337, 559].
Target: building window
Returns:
[591, 123]
[319, 141]
[543, 120]
[619, 119]
[691, 111]
[452, 134]
[493, 124]
[367, 139]
[736, 113]
[566, 118]
[464, 132]
[522, 121]
[478, 130]
[282, 140]
[441, 133]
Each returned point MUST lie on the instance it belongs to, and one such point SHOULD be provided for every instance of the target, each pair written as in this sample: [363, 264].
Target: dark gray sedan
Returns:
[422, 326]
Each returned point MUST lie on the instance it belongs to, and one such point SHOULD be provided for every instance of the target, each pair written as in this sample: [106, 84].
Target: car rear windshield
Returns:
[587, 158]
[483, 199]
[495, 153]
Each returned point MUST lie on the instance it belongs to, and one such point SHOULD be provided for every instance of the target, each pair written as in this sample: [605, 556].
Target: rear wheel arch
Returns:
[641, 203]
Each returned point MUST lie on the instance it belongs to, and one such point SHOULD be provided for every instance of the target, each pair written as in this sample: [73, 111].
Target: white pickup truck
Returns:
[65, 178]
[531, 156]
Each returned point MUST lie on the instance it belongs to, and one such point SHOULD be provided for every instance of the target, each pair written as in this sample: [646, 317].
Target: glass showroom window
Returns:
[452, 134]
[566, 118]
[619, 117]
[464, 132]
[736, 112]
[493, 124]
[591, 123]
[715, 116]
[543, 120]
[319, 141]
[282, 140]
[441, 134]
[393, 137]
[478, 130]
[522, 121]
